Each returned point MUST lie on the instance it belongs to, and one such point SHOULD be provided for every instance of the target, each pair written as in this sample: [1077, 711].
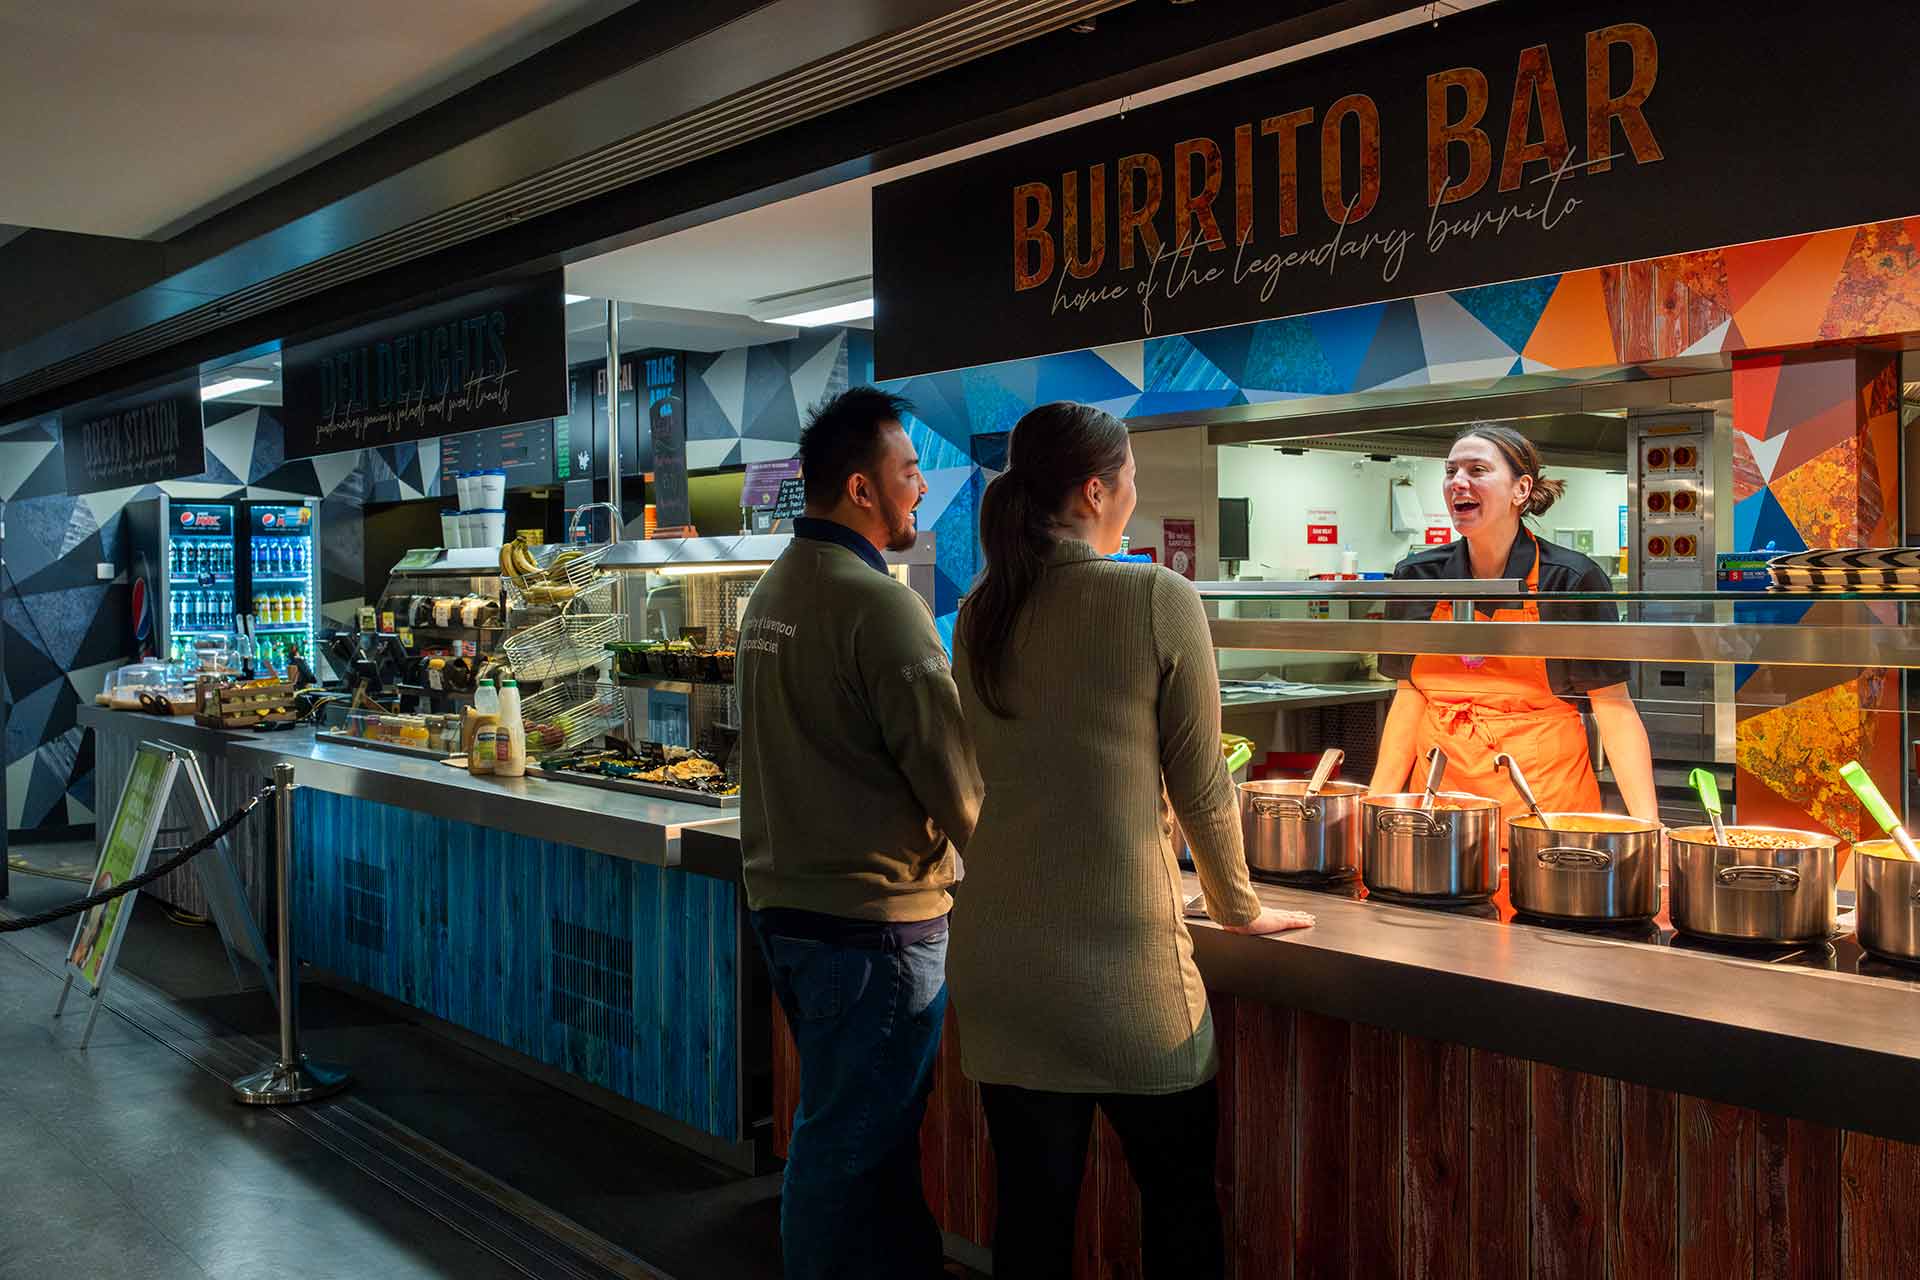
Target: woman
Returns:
[1476, 708]
[1088, 686]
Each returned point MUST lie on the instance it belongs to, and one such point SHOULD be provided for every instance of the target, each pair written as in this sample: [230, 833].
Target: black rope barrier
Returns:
[180, 856]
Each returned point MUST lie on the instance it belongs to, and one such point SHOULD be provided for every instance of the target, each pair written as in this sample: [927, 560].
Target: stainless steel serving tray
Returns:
[634, 787]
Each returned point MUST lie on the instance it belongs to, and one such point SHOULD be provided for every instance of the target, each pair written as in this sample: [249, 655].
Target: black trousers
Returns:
[1040, 1154]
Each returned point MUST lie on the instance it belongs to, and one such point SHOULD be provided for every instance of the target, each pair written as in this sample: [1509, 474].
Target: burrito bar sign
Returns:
[1518, 140]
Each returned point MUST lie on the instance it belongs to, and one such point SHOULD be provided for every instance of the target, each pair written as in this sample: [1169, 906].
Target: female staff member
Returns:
[1475, 708]
[1089, 689]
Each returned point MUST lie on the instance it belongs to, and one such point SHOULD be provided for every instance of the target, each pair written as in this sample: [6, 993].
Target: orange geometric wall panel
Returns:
[1816, 465]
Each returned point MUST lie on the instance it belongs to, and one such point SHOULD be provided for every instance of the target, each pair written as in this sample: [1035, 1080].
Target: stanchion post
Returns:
[292, 1078]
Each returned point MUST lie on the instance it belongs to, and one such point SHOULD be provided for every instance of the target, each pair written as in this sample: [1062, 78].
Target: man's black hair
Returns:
[841, 438]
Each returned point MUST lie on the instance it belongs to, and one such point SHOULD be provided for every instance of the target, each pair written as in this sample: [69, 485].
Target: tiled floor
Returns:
[258, 1192]
[127, 1159]
[131, 1158]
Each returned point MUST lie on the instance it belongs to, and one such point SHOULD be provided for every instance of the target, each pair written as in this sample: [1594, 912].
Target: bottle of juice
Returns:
[511, 741]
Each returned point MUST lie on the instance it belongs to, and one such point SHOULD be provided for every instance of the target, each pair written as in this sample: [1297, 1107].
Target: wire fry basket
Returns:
[581, 572]
[563, 645]
[581, 709]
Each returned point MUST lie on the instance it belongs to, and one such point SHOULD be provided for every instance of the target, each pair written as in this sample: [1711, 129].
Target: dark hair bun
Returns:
[1545, 493]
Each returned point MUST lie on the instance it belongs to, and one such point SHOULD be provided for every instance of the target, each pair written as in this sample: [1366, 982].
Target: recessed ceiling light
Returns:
[571, 298]
[230, 386]
[859, 310]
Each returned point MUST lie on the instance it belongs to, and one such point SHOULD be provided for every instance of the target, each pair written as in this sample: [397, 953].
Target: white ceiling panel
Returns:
[125, 117]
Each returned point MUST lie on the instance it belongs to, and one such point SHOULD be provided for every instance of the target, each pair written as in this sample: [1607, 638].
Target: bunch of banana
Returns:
[516, 560]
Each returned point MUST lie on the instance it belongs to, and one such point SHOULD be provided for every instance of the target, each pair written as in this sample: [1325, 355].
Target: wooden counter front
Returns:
[1351, 1151]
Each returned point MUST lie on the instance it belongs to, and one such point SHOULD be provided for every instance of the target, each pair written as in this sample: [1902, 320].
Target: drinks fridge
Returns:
[207, 565]
[278, 545]
[183, 557]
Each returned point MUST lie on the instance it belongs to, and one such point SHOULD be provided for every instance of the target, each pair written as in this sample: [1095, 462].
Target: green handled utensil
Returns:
[1239, 757]
[1701, 780]
[1854, 776]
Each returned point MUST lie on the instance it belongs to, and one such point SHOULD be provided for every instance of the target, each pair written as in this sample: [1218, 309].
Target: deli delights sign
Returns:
[490, 358]
[1514, 141]
[134, 440]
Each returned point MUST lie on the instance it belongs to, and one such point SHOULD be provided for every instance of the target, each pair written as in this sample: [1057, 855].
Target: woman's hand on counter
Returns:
[1272, 920]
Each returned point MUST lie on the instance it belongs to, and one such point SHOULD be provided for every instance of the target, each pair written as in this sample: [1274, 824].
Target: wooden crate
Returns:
[237, 707]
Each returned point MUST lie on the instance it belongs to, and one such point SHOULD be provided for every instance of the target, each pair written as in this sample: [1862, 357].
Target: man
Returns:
[857, 790]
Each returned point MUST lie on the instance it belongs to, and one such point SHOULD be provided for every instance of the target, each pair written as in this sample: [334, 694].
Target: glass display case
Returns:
[1804, 685]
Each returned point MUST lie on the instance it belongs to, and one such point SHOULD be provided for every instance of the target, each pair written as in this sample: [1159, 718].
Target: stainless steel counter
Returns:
[642, 828]
[1837, 1048]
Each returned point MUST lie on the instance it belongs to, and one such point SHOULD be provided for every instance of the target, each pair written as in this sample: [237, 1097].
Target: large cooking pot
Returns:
[1450, 851]
[1588, 866]
[1288, 832]
[1765, 885]
[1888, 916]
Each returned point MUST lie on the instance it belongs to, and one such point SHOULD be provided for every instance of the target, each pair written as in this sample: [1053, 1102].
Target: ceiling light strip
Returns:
[806, 93]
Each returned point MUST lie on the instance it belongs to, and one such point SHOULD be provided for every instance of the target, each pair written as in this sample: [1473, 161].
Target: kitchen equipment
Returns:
[1876, 804]
[1584, 866]
[1329, 761]
[1431, 846]
[1436, 769]
[1887, 916]
[1291, 832]
[1519, 781]
[1701, 780]
[1753, 884]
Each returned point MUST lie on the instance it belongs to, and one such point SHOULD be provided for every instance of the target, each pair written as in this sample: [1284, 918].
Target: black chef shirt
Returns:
[1560, 570]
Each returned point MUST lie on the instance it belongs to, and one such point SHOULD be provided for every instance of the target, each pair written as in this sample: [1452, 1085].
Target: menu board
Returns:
[524, 450]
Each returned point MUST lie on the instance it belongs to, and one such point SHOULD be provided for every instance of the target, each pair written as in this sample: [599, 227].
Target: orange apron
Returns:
[1480, 707]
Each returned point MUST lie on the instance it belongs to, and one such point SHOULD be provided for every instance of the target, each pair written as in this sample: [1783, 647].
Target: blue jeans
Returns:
[866, 1021]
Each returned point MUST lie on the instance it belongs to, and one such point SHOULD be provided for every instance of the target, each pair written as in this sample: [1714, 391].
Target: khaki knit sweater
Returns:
[856, 783]
[1070, 963]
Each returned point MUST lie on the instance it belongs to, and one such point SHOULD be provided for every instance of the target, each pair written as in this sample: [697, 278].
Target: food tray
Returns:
[376, 744]
[582, 709]
[562, 645]
[632, 787]
[580, 572]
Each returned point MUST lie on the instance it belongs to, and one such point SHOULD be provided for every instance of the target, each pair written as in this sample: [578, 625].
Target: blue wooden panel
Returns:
[616, 972]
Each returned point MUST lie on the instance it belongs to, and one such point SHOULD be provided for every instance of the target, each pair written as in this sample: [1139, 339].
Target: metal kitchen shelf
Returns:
[1759, 643]
[1404, 590]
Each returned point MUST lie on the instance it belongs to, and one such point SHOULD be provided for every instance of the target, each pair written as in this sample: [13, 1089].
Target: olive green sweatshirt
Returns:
[857, 782]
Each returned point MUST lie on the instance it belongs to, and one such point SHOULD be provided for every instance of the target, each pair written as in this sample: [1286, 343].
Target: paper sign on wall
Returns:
[1179, 537]
[1323, 527]
[1439, 535]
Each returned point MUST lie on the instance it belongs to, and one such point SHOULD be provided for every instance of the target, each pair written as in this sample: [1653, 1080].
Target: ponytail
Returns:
[1053, 450]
